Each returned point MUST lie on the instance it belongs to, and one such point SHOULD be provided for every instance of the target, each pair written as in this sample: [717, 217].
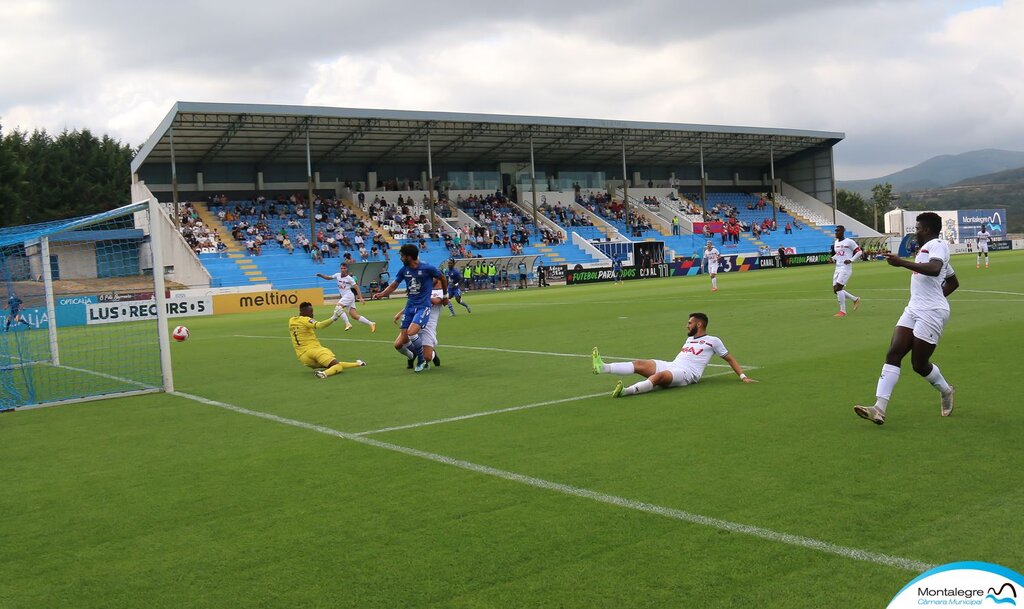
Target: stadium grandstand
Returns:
[266, 194]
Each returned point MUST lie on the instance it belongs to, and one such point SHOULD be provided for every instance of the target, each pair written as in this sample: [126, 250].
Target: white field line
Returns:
[481, 414]
[504, 410]
[993, 292]
[108, 376]
[446, 346]
[565, 489]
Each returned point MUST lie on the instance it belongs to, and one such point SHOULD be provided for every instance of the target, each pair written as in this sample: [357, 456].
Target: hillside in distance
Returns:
[941, 171]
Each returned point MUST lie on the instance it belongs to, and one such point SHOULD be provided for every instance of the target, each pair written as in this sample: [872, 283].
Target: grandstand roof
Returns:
[256, 133]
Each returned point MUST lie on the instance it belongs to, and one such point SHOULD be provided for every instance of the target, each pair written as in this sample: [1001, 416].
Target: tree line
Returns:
[46, 177]
[870, 212]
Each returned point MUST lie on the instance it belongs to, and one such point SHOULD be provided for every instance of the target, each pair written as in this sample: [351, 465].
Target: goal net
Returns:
[83, 311]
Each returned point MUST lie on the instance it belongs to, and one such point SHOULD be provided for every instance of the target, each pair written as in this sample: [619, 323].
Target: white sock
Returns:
[642, 387]
[714, 282]
[936, 379]
[618, 368]
[886, 383]
[979, 259]
[849, 295]
[364, 320]
[344, 316]
[404, 350]
[841, 297]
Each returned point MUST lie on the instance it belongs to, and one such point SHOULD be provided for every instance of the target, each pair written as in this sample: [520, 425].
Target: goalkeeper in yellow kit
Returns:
[308, 349]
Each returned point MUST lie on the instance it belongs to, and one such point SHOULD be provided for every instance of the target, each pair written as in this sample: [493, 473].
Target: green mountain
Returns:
[1003, 189]
[1010, 176]
[941, 171]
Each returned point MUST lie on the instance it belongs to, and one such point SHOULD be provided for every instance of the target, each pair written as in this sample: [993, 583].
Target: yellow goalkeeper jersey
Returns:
[303, 332]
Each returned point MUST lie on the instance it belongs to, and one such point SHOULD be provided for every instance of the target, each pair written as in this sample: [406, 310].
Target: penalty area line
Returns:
[487, 413]
[582, 493]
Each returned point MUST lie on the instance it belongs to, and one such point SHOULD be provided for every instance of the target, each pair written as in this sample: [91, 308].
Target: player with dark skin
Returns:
[903, 339]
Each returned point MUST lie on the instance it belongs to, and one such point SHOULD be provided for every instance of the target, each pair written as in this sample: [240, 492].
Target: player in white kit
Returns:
[845, 251]
[686, 369]
[983, 238]
[919, 328]
[348, 286]
[711, 259]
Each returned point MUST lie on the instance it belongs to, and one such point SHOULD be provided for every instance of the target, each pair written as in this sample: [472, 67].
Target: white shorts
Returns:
[712, 269]
[680, 376]
[927, 325]
[983, 247]
[348, 300]
[842, 274]
[428, 335]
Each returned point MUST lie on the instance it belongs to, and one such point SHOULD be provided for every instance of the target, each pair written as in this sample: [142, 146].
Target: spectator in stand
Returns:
[325, 250]
[287, 245]
[789, 229]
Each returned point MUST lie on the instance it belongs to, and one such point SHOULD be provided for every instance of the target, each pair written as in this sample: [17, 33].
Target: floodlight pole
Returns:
[309, 188]
[625, 187]
[771, 165]
[430, 183]
[835, 199]
[703, 187]
[174, 182]
[51, 315]
[533, 185]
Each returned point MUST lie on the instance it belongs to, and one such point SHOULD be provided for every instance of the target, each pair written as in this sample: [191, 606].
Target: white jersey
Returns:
[925, 291]
[844, 250]
[345, 284]
[696, 354]
[983, 238]
[435, 310]
[429, 331]
[712, 256]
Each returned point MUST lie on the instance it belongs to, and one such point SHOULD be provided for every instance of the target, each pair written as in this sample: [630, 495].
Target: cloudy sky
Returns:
[904, 79]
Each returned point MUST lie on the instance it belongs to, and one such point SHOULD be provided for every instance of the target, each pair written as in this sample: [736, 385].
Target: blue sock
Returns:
[416, 346]
[451, 308]
[463, 303]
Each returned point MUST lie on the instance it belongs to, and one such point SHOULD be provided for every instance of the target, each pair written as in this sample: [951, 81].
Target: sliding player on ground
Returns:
[844, 252]
[919, 328]
[686, 369]
[302, 329]
[348, 287]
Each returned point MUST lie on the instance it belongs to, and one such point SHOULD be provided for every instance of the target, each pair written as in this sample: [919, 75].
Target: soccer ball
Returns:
[180, 334]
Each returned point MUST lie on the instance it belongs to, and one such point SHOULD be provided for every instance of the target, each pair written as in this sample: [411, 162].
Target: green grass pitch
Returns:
[165, 502]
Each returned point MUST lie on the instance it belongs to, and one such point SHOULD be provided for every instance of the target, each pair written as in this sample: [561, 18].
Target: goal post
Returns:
[84, 309]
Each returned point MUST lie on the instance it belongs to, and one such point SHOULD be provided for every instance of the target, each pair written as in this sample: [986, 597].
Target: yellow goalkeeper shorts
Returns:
[317, 357]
